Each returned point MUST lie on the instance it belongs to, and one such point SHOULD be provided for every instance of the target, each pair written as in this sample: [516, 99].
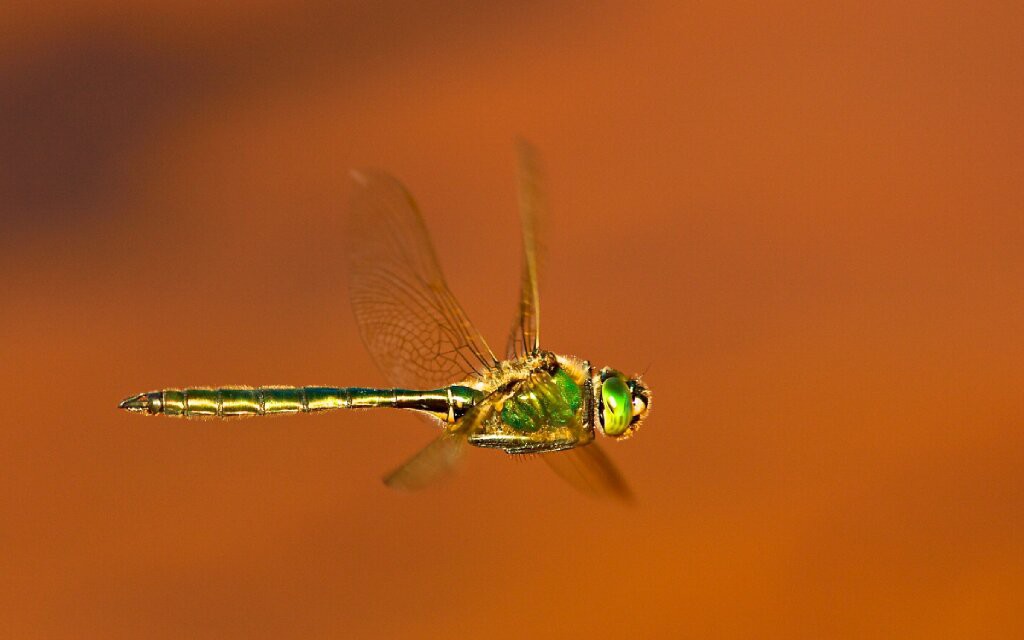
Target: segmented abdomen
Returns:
[230, 402]
[448, 404]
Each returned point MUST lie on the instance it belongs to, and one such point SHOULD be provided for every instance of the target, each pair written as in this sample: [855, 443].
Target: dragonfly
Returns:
[533, 401]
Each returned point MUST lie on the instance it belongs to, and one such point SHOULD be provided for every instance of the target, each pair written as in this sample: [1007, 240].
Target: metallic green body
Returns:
[530, 410]
[546, 409]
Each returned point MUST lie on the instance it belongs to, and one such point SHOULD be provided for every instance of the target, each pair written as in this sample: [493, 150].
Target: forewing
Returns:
[411, 323]
[525, 335]
[591, 471]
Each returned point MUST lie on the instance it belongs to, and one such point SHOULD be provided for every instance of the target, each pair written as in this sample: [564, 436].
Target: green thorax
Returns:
[531, 408]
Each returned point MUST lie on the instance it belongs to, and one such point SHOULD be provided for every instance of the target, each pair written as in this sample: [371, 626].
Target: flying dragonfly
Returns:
[533, 401]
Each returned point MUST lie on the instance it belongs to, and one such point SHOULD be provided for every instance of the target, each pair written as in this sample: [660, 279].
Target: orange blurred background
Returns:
[806, 221]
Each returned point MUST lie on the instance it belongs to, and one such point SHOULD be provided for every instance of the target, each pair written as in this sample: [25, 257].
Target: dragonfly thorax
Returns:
[508, 373]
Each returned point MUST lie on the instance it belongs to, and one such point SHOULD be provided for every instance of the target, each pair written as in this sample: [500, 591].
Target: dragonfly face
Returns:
[623, 403]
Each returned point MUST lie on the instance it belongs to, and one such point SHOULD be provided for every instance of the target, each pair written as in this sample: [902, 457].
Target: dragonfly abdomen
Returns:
[230, 402]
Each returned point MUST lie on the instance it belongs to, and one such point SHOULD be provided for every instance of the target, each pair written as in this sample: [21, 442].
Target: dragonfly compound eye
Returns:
[616, 406]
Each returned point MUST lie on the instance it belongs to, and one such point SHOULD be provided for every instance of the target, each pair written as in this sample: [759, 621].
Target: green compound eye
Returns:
[617, 406]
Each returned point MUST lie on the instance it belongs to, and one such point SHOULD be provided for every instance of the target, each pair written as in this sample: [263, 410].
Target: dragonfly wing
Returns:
[591, 471]
[439, 458]
[432, 463]
[525, 335]
[411, 323]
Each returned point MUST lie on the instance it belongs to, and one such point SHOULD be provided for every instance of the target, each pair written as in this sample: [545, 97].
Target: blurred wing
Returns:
[439, 458]
[411, 323]
[589, 470]
[525, 335]
[435, 461]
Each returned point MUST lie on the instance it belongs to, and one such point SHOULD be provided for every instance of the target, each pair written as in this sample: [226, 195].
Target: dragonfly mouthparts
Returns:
[135, 403]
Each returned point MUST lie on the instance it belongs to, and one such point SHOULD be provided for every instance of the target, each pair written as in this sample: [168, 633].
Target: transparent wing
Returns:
[591, 471]
[411, 323]
[439, 458]
[525, 335]
[435, 461]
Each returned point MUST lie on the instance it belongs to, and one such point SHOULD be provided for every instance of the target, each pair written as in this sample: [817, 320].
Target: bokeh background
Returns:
[806, 222]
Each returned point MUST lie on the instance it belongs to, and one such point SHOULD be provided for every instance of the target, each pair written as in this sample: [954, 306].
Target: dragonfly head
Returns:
[623, 403]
